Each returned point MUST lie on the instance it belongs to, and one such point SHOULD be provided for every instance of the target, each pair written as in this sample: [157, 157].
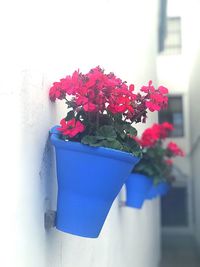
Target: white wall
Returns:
[46, 40]
[195, 132]
[181, 74]
[194, 92]
[174, 71]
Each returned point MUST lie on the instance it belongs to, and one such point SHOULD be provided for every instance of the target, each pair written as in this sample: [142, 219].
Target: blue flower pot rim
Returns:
[99, 151]
[143, 175]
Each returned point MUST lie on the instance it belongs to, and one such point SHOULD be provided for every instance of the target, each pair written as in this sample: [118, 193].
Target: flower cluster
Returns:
[152, 135]
[157, 97]
[96, 99]
[157, 158]
[71, 128]
[174, 150]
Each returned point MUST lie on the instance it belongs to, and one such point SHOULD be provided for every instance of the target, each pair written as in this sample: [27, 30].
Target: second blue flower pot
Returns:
[163, 188]
[137, 187]
[89, 179]
[153, 192]
[160, 189]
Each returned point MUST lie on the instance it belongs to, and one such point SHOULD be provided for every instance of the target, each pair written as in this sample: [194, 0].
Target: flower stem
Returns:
[97, 121]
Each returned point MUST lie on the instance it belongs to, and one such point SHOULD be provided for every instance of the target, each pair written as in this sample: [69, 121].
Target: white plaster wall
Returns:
[174, 74]
[189, 11]
[181, 74]
[174, 71]
[195, 132]
[44, 41]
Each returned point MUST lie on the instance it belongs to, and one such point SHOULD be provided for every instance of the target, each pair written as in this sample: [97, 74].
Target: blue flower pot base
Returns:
[137, 187]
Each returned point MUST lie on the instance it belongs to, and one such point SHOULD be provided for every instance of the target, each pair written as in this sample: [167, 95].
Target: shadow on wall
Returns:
[47, 178]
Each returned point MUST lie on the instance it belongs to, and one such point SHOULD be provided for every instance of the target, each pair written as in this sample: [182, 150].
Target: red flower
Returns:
[104, 95]
[152, 106]
[131, 87]
[90, 107]
[163, 90]
[148, 88]
[71, 128]
[55, 92]
[163, 129]
[152, 135]
[149, 138]
[169, 162]
[175, 149]
[156, 99]
[167, 126]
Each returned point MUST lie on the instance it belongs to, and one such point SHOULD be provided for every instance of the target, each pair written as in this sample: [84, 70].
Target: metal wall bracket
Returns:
[49, 219]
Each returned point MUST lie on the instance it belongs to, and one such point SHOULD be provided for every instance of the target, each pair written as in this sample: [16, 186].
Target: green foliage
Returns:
[115, 138]
[70, 115]
[153, 164]
[109, 131]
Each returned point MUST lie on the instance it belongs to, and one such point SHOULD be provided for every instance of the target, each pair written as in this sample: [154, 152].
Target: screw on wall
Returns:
[122, 203]
[49, 219]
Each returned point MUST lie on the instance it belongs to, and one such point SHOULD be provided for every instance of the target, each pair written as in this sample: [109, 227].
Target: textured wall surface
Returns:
[47, 40]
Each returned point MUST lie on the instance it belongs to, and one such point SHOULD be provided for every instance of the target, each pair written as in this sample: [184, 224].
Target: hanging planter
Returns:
[89, 179]
[163, 188]
[95, 145]
[160, 189]
[157, 161]
[153, 192]
[137, 187]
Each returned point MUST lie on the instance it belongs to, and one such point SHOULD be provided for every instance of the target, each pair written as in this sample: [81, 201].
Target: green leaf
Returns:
[106, 131]
[89, 140]
[94, 141]
[114, 144]
[130, 130]
[124, 128]
[70, 115]
[117, 116]
[120, 130]
[134, 147]
[105, 119]
[81, 114]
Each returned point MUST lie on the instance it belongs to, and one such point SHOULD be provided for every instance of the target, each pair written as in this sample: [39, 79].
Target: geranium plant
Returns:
[157, 157]
[101, 109]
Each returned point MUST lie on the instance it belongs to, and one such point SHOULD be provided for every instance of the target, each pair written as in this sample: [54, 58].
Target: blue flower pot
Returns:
[160, 189]
[137, 187]
[163, 188]
[152, 193]
[89, 179]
